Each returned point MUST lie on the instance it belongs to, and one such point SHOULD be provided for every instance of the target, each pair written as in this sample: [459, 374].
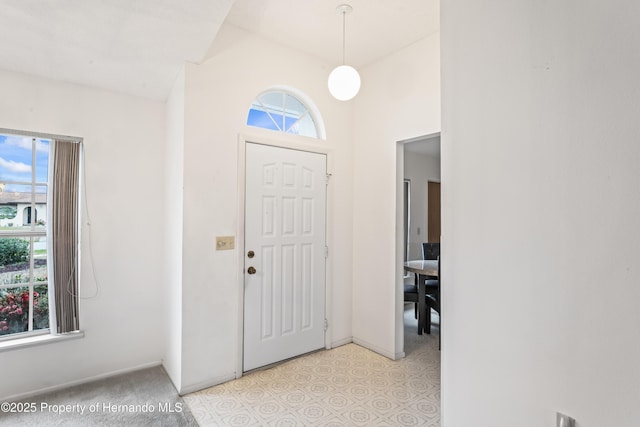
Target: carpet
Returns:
[142, 398]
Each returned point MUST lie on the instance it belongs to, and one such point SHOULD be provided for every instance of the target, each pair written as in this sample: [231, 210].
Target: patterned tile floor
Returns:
[345, 386]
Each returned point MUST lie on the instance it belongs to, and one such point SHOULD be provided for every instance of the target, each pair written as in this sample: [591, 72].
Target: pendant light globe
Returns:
[344, 82]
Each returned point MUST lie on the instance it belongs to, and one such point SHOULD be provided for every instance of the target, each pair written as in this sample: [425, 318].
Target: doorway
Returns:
[27, 216]
[419, 163]
[285, 258]
[421, 166]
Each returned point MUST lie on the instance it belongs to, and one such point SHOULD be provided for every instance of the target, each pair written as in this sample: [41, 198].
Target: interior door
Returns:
[285, 221]
[433, 206]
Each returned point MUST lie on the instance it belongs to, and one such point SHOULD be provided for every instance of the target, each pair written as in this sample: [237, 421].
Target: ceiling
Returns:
[131, 46]
[138, 46]
[374, 29]
[428, 146]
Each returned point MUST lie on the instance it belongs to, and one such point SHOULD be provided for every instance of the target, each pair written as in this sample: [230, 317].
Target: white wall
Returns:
[123, 138]
[173, 223]
[399, 100]
[419, 169]
[217, 99]
[540, 296]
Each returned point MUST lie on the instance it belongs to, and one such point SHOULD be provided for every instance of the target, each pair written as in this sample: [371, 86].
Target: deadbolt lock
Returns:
[251, 270]
[251, 254]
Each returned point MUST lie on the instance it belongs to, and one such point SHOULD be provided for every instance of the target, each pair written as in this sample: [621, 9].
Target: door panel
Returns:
[433, 201]
[285, 202]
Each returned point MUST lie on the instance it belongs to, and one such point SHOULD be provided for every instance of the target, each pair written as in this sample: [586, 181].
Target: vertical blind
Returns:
[64, 233]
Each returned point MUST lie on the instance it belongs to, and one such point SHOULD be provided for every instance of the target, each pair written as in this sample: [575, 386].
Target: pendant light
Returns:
[344, 81]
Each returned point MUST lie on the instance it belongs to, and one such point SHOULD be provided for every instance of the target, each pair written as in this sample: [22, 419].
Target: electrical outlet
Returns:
[563, 420]
[225, 243]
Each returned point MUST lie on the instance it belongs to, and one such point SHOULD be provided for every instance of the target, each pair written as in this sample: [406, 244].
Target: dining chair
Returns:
[432, 299]
[431, 251]
[433, 302]
[411, 290]
[411, 295]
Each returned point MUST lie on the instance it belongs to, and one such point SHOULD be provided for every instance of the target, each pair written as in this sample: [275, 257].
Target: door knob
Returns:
[251, 270]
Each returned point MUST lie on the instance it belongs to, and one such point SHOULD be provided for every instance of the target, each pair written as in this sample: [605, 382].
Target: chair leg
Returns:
[415, 306]
[428, 319]
[440, 332]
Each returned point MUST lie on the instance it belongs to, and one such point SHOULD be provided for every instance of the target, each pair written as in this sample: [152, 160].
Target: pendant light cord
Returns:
[344, 13]
[344, 80]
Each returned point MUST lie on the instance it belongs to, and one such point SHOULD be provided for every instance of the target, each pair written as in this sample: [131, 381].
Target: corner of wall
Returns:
[174, 172]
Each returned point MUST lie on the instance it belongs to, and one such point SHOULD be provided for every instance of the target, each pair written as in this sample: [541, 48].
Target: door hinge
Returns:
[328, 177]
[326, 324]
[326, 252]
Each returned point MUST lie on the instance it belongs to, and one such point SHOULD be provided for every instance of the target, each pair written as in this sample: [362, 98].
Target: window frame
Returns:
[310, 110]
[37, 336]
[30, 232]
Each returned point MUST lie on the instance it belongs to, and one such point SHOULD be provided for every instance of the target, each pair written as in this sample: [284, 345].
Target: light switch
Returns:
[225, 243]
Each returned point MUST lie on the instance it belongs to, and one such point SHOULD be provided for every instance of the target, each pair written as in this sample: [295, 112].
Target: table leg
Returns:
[422, 309]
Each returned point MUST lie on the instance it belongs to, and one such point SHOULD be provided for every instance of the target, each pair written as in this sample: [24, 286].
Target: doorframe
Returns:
[292, 142]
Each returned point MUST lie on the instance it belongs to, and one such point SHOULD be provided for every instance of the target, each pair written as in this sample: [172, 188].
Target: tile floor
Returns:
[345, 386]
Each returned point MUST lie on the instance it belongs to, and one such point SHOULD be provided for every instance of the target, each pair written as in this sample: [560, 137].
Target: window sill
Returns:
[37, 340]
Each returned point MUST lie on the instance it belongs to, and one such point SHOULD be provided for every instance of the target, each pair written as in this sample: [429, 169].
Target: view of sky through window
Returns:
[282, 112]
[16, 161]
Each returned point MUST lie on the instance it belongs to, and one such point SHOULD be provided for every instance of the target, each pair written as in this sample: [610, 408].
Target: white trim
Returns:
[306, 101]
[420, 138]
[41, 135]
[36, 183]
[291, 142]
[206, 384]
[53, 317]
[20, 233]
[340, 343]
[81, 381]
[378, 350]
[398, 317]
[241, 251]
[328, 230]
[37, 339]
[284, 140]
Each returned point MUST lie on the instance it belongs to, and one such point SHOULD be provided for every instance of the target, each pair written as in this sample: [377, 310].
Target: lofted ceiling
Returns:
[130, 46]
[374, 29]
[138, 46]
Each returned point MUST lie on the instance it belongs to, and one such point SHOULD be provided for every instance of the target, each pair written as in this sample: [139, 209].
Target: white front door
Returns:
[284, 297]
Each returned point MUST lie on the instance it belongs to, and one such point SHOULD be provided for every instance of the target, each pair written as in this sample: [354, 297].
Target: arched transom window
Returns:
[280, 111]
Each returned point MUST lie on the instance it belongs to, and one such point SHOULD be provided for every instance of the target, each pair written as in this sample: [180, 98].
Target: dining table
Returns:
[424, 269]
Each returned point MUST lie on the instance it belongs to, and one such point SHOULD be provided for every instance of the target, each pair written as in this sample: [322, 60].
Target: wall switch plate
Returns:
[563, 420]
[225, 243]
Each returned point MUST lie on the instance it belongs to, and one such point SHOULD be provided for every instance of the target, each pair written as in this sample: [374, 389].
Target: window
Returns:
[24, 290]
[282, 112]
[36, 179]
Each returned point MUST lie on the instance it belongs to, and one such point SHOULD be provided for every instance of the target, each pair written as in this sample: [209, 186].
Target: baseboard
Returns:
[79, 382]
[342, 342]
[206, 384]
[376, 349]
